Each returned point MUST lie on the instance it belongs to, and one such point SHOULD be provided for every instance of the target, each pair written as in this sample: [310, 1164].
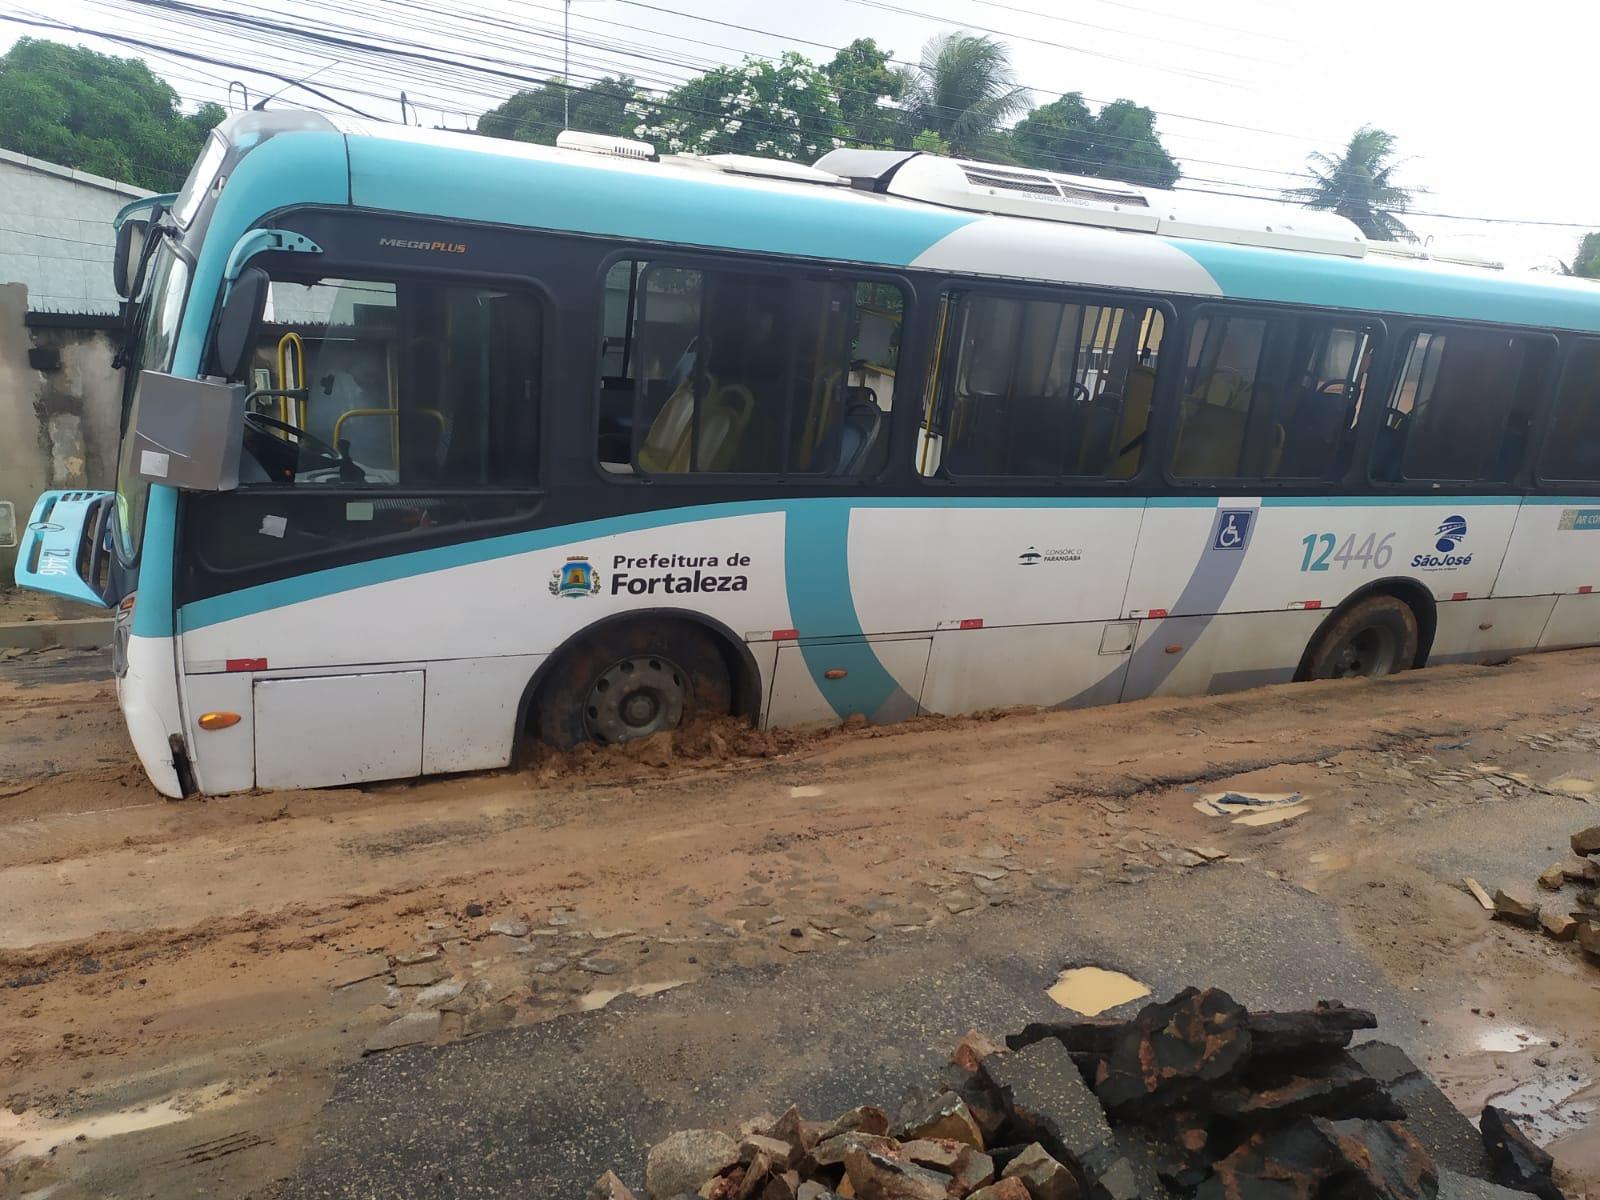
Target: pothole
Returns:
[1093, 990]
[1552, 1105]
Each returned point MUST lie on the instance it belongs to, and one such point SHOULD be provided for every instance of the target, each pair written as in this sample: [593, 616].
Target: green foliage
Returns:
[1118, 142]
[1359, 185]
[98, 113]
[782, 109]
[868, 91]
[535, 115]
[929, 142]
[1587, 261]
[964, 91]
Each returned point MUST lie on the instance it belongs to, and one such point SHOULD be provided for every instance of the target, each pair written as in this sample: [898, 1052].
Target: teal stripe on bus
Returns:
[1386, 501]
[658, 205]
[316, 584]
[1373, 285]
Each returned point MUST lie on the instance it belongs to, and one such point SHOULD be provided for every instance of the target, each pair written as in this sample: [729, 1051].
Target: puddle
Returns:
[1573, 785]
[33, 1138]
[1273, 815]
[1092, 990]
[1550, 1107]
[800, 793]
[1254, 808]
[600, 997]
[1508, 1039]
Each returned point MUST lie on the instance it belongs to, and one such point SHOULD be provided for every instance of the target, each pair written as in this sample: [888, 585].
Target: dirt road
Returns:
[184, 981]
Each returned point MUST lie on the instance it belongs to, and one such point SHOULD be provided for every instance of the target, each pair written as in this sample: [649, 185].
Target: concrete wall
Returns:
[58, 425]
[55, 233]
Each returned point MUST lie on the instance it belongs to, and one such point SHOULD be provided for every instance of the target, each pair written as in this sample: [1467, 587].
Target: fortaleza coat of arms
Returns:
[575, 577]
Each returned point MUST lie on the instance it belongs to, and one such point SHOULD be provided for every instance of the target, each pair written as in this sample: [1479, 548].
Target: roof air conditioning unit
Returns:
[603, 144]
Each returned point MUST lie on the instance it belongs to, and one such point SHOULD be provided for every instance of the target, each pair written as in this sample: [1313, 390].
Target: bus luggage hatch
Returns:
[318, 731]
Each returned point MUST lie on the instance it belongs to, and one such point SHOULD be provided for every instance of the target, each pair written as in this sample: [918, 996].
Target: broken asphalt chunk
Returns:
[877, 1176]
[1587, 841]
[1517, 1162]
[1169, 1051]
[1043, 1091]
[1042, 1175]
[942, 1115]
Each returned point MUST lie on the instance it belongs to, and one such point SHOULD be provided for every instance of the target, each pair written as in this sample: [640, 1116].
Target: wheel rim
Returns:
[1369, 653]
[635, 698]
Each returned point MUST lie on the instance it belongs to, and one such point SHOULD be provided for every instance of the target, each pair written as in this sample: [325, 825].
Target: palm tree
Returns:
[962, 91]
[1359, 185]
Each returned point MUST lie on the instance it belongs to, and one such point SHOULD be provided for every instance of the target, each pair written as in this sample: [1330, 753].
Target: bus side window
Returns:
[1023, 386]
[746, 371]
[1462, 406]
[1270, 397]
[1572, 447]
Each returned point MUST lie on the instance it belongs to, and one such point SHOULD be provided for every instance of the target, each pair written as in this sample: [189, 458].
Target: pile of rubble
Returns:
[1194, 1097]
[1580, 922]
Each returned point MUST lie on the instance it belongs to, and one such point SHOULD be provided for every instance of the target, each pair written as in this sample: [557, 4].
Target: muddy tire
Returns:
[1376, 637]
[632, 682]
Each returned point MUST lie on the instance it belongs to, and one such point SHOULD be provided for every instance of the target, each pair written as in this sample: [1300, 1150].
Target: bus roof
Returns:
[466, 177]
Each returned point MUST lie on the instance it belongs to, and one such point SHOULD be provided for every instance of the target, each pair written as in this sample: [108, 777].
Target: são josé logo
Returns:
[575, 577]
[1451, 533]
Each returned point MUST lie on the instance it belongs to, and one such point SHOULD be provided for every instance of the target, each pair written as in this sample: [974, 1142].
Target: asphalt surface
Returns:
[542, 1111]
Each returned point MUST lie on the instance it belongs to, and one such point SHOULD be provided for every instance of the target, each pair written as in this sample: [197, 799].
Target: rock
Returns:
[875, 1176]
[682, 1161]
[1043, 1176]
[942, 1115]
[473, 909]
[355, 970]
[1589, 937]
[1180, 858]
[1517, 1162]
[600, 966]
[791, 1127]
[1384, 1159]
[973, 1048]
[421, 954]
[867, 1118]
[1582, 870]
[1455, 1186]
[1445, 1133]
[959, 902]
[1005, 1189]
[1552, 877]
[1116, 1182]
[968, 1167]
[420, 975]
[782, 1154]
[813, 1191]
[440, 993]
[1290, 1163]
[1044, 1093]
[609, 1187]
[513, 927]
[781, 1185]
[830, 1153]
[1558, 925]
[1331, 1085]
[1169, 1052]
[409, 1030]
[1209, 853]
[1587, 841]
[1517, 907]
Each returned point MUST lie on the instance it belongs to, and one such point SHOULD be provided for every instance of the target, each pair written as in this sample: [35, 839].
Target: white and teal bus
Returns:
[433, 441]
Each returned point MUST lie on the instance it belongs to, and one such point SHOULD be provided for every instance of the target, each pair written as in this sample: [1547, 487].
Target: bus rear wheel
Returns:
[633, 682]
[1376, 637]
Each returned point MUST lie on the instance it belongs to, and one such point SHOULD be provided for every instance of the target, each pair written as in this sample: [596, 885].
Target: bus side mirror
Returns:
[239, 323]
[130, 250]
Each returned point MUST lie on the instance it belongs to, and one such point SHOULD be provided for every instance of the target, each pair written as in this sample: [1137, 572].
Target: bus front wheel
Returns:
[632, 682]
[1376, 637]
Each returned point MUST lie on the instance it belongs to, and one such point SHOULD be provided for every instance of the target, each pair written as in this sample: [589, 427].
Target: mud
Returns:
[197, 957]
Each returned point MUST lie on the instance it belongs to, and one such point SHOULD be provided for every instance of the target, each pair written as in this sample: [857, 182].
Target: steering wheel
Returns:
[1080, 393]
[279, 458]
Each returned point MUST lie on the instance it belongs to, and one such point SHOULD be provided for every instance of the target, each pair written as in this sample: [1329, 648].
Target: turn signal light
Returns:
[218, 720]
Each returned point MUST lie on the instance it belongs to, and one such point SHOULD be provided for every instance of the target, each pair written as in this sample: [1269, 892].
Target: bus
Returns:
[432, 442]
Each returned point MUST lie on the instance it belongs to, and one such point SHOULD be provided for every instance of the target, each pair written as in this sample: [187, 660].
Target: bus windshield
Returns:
[152, 342]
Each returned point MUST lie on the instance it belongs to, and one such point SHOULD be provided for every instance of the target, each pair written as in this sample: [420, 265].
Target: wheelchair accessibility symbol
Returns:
[1233, 529]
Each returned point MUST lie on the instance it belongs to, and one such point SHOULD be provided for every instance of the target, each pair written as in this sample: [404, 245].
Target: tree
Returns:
[98, 113]
[782, 109]
[535, 115]
[868, 91]
[1587, 261]
[1359, 185]
[964, 91]
[1118, 142]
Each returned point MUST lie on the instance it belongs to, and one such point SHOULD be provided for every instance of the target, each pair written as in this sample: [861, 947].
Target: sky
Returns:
[1494, 105]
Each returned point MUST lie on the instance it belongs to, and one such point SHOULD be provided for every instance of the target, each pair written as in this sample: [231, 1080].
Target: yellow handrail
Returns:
[290, 380]
[394, 415]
